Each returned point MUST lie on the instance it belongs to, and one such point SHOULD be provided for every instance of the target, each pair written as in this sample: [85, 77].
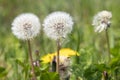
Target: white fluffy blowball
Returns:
[26, 26]
[102, 21]
[57, 25]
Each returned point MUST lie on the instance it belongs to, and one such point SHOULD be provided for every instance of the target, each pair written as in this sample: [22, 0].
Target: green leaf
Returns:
[54, 76]
[93, 72]
[2, 69]
[3, 72]
[101, 67]
[115, 62]
[20, 63]
[49, 76]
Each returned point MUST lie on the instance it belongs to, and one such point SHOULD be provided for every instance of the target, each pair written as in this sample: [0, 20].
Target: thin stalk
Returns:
[105, 76]
[108, 44]
[57, 57]
[31, 61]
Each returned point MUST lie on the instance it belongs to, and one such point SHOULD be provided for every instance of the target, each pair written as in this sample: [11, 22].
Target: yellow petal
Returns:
[66, 52]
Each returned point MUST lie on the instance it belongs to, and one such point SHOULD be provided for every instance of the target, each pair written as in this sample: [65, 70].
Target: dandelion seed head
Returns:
[102, 21]
[64, 68]
[57, 25]
[26, 26]
[65, 61]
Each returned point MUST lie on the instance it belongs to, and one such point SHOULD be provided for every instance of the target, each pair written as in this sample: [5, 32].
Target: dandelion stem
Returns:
[108, 44]
[58, 49]
[31, 60]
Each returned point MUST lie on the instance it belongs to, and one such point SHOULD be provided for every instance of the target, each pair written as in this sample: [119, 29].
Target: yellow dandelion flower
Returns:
[64, 53]
[67, 52]
[47, 58]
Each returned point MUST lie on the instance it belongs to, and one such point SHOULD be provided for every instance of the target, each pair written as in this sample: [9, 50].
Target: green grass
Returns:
[92, 46]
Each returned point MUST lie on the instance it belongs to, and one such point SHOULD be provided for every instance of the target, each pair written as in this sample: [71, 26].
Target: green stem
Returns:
[31, 61]
[108, 44]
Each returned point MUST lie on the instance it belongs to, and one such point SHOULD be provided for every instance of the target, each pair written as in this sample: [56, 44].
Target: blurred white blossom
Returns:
[26, 26]
[57, 25]
[64, 68]
[102, 21]
[64, 61]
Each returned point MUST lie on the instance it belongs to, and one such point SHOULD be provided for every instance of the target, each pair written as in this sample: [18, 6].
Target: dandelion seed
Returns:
[64, 69]
[102, 21]
[26, 26]
[57, 25]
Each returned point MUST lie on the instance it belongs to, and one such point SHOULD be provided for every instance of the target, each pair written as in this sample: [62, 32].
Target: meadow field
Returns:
[95, 55]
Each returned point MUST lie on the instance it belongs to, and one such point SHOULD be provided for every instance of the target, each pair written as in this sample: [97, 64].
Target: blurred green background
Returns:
[82, 36]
